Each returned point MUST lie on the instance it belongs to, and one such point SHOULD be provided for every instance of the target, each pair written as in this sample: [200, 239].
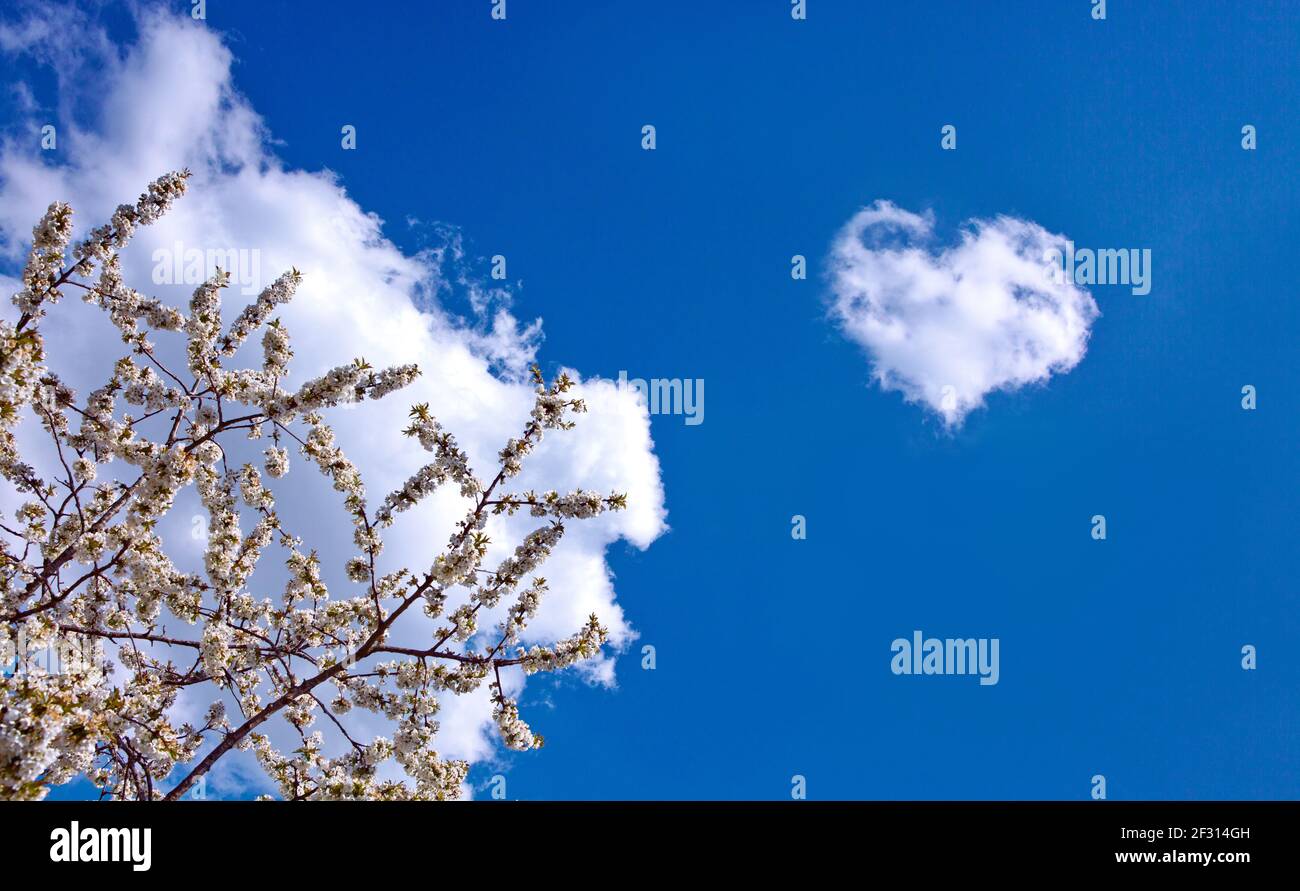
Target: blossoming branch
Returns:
[83, 557]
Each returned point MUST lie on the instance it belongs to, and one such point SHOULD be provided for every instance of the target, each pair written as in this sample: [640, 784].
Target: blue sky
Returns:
[1118, 657]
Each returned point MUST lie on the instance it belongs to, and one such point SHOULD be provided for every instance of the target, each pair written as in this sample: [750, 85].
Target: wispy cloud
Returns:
[168, 101]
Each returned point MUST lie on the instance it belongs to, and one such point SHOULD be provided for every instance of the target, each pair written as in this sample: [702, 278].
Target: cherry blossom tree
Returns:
[82, 559]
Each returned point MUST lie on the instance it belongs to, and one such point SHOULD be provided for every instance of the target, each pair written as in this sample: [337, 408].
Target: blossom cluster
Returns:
[82, 553]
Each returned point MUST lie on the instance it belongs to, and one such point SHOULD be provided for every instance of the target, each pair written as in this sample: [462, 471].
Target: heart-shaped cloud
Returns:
[946, 326]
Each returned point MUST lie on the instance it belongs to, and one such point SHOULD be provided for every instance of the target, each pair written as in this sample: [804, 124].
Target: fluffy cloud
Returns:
[946, 326]
[168, 101]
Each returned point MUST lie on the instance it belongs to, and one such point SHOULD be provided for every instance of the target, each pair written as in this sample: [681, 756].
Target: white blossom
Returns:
[84, 557]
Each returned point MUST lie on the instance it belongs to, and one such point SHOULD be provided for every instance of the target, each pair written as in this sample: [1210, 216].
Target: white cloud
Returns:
[167, 102]
[947, 325]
